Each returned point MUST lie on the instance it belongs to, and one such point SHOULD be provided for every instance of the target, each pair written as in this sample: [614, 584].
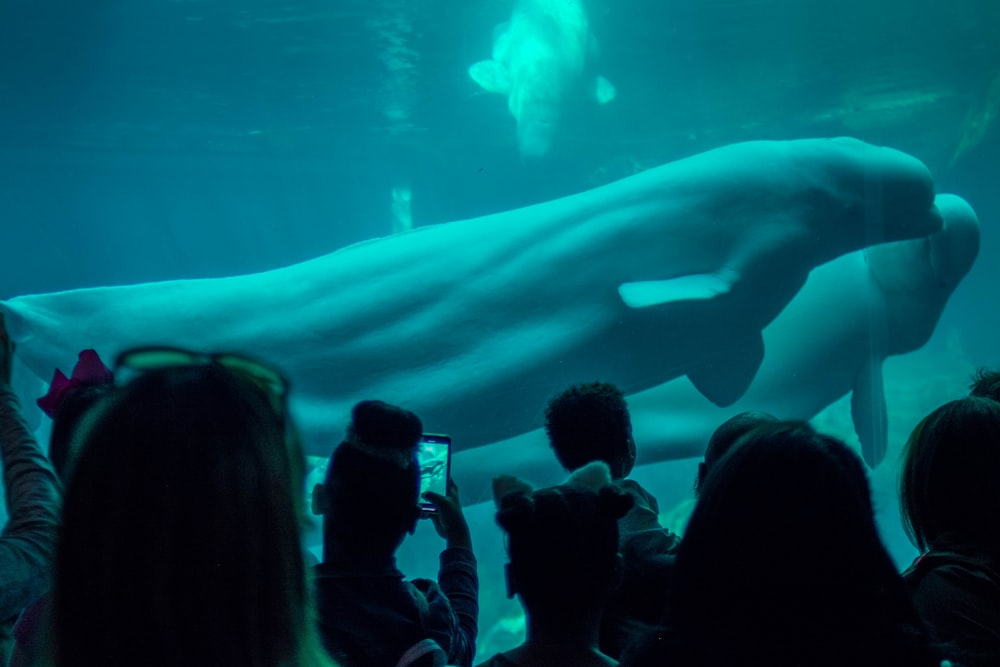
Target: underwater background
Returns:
[146, 140]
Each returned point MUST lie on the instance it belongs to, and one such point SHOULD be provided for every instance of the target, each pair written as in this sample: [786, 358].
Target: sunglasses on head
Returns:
[268, 379]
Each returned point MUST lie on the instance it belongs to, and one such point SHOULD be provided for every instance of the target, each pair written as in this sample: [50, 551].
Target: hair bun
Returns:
[614, 502]
[517, 510]
[379, 424]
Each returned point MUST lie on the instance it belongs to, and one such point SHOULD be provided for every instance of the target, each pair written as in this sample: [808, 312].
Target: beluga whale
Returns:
[543, 58]
[830, 341]
[474, 324]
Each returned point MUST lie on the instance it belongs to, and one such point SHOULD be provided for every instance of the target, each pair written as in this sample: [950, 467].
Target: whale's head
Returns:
[863, 195]
[952, 251]
[918, 276]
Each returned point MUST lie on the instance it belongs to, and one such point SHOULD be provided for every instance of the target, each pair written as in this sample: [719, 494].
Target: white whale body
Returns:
[475, 324]
[830, 341]
[542, 59]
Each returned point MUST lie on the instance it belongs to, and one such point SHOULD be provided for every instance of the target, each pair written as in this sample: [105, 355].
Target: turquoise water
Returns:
[143, 141]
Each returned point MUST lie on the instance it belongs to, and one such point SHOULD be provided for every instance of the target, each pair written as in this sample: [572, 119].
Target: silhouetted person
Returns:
[724, 437]
[950, 503]
[180, 542]
[590, 422]
[67, 402]
[781, 565]
[369, 614]
[564, 564]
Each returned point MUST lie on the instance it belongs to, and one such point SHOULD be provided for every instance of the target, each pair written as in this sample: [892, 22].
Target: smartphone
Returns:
[434, 458]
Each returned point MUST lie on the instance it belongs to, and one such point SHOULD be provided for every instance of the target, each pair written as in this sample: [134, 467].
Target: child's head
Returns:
[563, 545]
[369, 500]
[590, 422]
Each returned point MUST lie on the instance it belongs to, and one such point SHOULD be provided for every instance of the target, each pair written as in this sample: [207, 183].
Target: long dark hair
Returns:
[180, 537]
[782, 564]
[948, 480]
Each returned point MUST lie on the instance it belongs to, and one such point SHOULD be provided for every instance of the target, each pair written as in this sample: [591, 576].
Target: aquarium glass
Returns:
[144, 141]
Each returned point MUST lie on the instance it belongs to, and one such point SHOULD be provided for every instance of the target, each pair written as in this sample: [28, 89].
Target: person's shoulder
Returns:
[644, 500]
[632, 487]
[955, 562]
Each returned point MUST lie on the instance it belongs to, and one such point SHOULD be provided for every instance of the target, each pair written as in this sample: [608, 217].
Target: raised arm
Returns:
[33, 493]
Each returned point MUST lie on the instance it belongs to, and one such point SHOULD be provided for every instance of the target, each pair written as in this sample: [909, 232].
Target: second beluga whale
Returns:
[543, 57]
[832, 339]
[475, 324]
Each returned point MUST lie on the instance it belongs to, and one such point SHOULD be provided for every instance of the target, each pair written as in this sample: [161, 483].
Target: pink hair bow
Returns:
[89, 371]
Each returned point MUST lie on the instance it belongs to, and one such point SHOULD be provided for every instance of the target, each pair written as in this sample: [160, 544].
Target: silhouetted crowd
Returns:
[164, 529]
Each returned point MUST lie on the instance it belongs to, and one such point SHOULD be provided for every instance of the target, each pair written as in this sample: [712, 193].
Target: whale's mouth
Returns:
[934, 222]
[952, 251]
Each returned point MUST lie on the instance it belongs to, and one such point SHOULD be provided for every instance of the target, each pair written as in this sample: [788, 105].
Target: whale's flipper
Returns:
[729, 375]
[491, 76]
[869, 412]
[603, 90]
[686, 288]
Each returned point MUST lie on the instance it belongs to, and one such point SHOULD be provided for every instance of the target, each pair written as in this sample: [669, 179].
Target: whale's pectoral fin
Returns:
[728, 375]
[491, 76]
[603, 90]
[685, 288]
[869, 412]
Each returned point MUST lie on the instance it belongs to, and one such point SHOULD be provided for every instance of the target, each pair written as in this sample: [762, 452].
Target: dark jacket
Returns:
[370, 615]
[647, 550]
[956, 589]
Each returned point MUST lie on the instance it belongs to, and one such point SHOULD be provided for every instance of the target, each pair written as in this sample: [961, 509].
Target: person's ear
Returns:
[510, 580]
[629, 463]
[320, 504]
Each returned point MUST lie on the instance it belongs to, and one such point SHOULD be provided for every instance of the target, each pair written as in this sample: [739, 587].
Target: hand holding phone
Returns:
[449, 519]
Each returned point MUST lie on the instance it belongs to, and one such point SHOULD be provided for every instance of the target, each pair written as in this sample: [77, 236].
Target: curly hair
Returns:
[986, 384]
[590, 422]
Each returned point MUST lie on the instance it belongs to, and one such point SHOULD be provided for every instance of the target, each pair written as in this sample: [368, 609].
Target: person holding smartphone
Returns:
[369, 614]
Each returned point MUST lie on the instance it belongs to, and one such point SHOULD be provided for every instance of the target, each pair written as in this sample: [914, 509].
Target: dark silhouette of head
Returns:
[180, 542]
[73, 408]
[563, 547]
[985, 384]
[724, 437]
[782, 564]
[590, 422]
[369, 500]
[948, 480]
